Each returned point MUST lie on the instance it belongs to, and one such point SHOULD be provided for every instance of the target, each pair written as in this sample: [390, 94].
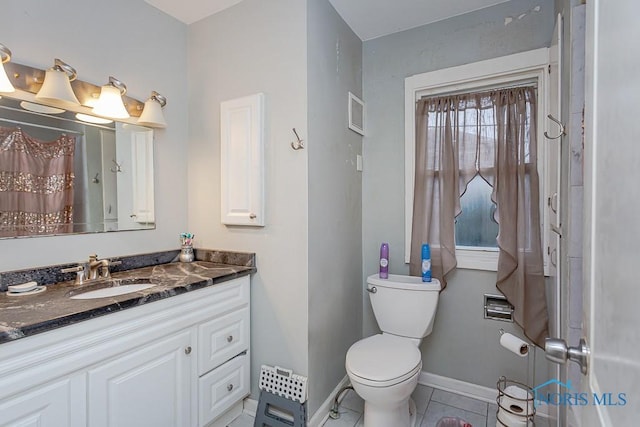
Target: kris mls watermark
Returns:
[566, 396]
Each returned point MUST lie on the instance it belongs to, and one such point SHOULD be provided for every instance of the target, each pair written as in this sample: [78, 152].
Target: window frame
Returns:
[525, 67]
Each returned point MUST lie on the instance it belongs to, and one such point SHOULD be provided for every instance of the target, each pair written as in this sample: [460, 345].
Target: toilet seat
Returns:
[383, 360]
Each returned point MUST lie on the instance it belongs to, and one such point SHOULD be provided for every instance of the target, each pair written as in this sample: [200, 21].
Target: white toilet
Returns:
[384, 368]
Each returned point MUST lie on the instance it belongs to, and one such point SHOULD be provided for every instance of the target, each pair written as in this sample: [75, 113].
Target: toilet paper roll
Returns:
[514, 344]
[514, 407]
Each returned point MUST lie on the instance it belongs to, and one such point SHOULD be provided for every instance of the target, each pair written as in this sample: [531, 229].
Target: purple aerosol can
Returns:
[384, 261]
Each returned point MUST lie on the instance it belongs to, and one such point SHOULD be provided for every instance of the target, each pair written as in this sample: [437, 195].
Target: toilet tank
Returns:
[404, 305]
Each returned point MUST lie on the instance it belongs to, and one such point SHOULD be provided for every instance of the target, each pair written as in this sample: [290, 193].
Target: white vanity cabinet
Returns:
[147, 386]
[178, 362]
[49, 405]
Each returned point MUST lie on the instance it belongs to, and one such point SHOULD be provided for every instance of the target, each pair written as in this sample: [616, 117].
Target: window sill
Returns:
[477, 259]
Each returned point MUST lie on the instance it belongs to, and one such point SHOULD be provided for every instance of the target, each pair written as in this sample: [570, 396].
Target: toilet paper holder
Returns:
[496, 307]
[516, 404]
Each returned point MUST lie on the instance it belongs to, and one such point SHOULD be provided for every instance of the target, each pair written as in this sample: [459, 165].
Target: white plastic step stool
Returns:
[283, 398]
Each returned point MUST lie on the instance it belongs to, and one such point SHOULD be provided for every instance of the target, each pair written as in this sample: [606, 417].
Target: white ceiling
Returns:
[368, 18]
[375, 18]
[189, 11]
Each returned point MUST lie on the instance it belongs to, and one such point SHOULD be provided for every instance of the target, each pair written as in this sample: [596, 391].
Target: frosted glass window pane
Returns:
[475, 226]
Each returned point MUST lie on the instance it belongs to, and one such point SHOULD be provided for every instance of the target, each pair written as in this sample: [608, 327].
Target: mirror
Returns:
[61, 175]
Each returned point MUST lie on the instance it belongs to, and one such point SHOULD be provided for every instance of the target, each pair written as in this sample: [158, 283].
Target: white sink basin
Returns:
[113, 291]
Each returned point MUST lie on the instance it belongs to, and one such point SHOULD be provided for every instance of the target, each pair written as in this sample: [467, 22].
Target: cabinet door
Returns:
[148, 387]
[242, 160]
[56, 404]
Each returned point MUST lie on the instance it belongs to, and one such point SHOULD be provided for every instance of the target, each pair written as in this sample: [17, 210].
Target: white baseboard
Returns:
[322, 414]
[464, 388]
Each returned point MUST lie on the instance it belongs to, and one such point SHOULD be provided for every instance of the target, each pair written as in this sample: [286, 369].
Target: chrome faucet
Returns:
[103, 265]
[89, 271]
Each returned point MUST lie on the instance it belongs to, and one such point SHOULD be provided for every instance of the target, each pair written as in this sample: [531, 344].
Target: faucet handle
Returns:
[104, 272]
[93, 257]
[81, 273]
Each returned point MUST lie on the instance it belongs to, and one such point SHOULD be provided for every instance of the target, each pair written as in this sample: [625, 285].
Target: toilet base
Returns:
[404, 415]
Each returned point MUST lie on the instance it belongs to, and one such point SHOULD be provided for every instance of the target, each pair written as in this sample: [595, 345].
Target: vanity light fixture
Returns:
[152, 114]
[5, 84]
[110, 103]
[39, 108]
[92, 119]
[56, 88]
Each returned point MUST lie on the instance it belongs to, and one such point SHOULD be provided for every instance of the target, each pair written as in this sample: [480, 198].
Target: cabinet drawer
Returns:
[221, 388]
[222, 338]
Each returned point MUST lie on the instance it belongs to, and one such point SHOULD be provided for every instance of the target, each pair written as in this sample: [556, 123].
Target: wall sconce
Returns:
[110, 103]
[5, 84]
[152, 114]
[56, 88]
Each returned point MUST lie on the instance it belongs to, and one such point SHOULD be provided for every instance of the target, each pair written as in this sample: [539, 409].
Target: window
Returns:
[475, 228]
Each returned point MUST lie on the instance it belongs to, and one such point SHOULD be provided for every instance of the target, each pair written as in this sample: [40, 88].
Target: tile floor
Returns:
[431, 404]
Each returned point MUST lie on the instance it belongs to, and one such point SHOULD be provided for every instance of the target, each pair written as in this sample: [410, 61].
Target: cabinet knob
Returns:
[252, 216]
[230, 387]
[230, 338]
[187, 350]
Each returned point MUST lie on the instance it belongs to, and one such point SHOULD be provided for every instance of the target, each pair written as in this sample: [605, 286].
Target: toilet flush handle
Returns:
[372, 290]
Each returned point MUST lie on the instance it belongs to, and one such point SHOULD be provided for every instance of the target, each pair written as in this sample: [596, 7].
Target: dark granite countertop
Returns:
[23, 316]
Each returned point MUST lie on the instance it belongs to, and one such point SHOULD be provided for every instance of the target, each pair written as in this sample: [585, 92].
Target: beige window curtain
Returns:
[492, 134]
[36, 184]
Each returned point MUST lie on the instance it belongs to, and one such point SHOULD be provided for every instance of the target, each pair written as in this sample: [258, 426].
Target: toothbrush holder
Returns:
[186, 253]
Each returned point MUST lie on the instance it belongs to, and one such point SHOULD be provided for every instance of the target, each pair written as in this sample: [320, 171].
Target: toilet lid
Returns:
[383, 358]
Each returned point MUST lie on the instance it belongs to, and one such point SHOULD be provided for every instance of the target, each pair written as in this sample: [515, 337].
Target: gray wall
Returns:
[257, 46]
[144, 48]
[335, 199]
[387, 61]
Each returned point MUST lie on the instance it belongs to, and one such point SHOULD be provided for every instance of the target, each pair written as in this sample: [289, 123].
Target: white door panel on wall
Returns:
[142, 175]
[242, 160]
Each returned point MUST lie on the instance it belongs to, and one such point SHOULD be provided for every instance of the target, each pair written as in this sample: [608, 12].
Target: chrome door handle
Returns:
[557, 351]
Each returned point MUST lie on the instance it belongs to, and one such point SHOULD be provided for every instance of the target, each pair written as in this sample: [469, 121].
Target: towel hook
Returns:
[559, 123]
[118, 166]
[297, 145]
